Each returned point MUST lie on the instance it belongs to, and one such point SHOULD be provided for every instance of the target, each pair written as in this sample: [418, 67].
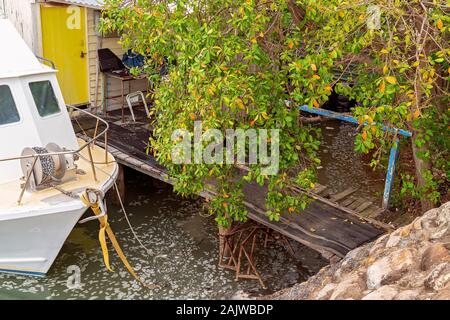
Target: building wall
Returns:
[24, 14]
[96, 42]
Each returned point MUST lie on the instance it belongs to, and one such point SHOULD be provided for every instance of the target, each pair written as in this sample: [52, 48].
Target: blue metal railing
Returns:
[392, 155]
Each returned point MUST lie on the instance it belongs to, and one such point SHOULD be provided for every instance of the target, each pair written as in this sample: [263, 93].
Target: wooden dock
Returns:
[333, 225]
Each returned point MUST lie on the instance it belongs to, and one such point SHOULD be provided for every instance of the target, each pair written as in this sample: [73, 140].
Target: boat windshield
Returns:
[8, 110]
[44, 98]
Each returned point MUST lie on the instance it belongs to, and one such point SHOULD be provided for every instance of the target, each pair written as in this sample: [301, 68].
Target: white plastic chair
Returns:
[130, 105]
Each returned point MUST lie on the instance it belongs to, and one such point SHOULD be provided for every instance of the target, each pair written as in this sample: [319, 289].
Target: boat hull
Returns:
[33, 232]
[29, 245]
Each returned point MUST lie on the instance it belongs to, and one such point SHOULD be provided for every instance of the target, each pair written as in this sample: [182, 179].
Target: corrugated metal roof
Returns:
[96, 4]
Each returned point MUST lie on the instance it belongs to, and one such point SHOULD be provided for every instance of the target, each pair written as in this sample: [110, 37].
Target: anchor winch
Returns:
[47, 166]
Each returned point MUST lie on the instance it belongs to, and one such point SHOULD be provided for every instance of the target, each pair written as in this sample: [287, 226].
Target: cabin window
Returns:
[44, 98]
[8, 110]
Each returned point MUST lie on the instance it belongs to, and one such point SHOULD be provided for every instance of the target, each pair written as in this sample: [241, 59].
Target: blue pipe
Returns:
[336, 115]
[390, 174]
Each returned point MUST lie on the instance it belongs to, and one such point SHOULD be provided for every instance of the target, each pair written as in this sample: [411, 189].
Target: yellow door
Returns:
[64, 43]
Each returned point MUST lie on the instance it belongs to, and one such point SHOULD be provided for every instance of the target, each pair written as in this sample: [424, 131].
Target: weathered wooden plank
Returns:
[122, 156]
[374, 222]
[343, 194]
[356, 204]
[346, 202]
[325, 220]
[375, 213]
[112, 149]
[135, 162]
[363, 206]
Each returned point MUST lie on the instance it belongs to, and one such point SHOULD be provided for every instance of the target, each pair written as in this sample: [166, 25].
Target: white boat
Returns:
[44, 167]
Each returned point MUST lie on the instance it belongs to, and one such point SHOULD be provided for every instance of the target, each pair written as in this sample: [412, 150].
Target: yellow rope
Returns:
[105, 228]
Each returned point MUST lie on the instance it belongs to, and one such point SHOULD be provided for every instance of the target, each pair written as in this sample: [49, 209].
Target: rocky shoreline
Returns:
[412, 262]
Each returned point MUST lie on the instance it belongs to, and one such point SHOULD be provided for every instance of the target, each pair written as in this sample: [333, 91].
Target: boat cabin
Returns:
[32, 108]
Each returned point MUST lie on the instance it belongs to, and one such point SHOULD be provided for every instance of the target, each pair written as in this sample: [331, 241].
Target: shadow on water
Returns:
[183, 261]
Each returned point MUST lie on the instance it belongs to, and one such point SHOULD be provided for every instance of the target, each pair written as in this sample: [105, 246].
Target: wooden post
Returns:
[120, 183]
[222, 232]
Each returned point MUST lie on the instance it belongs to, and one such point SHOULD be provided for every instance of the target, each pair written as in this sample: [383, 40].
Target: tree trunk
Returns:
[421, 165]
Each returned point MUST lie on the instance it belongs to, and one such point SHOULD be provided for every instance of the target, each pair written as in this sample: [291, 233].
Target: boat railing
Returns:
[89, 144]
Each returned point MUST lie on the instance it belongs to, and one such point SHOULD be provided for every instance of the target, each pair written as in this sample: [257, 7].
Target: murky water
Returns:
[342, 167]
[183, 261]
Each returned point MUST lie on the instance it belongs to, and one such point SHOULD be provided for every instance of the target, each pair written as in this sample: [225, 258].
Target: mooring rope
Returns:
[149, 251]
[105, 229]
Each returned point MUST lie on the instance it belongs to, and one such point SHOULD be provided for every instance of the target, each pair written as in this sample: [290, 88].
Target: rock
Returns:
[417, 224]
[439, 277]
[441, 233]
[437, 223]
[381, 240]
[412, 280]
[351, 262]
[376, 250]
[378, 245]
[434, 254]
[326, 291]
[389, 268]
[400, 237]
[429, 221]
[350, 287]
[382, 293]
[408, 294]
[410, 263]
[405, 231]
[443, 294]
[394, 239]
